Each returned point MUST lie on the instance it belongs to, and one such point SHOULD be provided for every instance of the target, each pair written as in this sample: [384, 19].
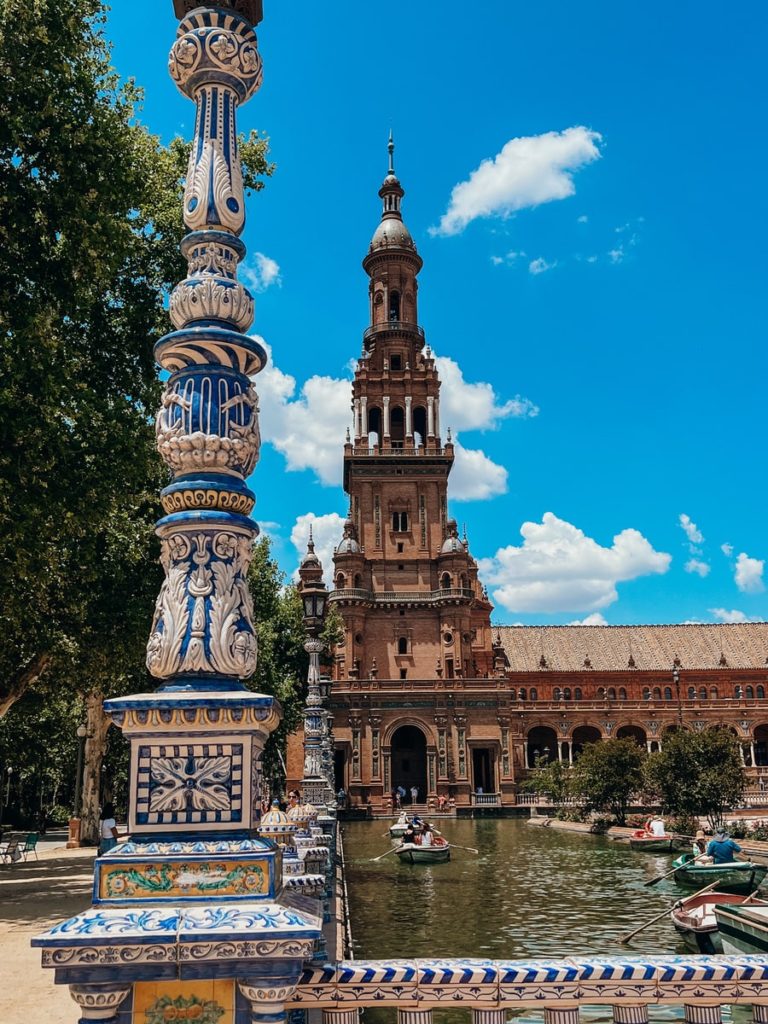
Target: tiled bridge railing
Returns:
[492, 988]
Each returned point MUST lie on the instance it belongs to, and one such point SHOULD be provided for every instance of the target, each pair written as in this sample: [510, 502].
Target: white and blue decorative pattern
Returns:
[197, 783]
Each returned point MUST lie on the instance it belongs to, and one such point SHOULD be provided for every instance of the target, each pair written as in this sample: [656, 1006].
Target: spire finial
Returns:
[391, 151]
[310, 542]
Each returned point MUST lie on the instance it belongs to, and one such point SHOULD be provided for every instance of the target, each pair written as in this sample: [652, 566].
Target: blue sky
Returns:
[628, 315]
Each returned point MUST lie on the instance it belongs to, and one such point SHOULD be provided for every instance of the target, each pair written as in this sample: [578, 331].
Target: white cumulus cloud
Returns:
[289, 421]
[474, 476]
[748, 574]
[290, 418]
[697, 566]
[724, 615]
[692, 532]
[727, 549]
[259, 272]
[595, 619]
[540, 265]
[474, 406]
[528, 171]
[327, 531]
[558, 568]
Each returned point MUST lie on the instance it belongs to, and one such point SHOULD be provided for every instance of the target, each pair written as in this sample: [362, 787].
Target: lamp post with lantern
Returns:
[73, 839]
[316, 784]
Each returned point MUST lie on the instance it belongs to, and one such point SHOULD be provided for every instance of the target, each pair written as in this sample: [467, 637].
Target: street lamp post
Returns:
[73, 840]
[4, 806]
[316, 784]
[676, 681]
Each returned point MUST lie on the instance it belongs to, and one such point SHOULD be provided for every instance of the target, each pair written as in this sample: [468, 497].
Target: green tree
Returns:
[555, 778]
[607, 775]
[697, 773]
[90, 221]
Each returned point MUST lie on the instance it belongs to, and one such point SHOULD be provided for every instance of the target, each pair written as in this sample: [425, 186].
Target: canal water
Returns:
[529, 892]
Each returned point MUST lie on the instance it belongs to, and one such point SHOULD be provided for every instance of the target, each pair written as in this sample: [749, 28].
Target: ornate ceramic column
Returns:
[189, 914]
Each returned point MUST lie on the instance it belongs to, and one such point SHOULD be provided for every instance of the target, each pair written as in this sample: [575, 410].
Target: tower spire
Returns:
[391, 151]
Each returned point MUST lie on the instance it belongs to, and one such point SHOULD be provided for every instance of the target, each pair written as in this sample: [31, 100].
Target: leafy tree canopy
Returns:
[554, 778]
[608, 774]
[90, 221]
[697, 773]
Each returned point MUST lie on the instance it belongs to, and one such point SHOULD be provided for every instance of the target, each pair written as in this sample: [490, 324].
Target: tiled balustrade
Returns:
[491, 989]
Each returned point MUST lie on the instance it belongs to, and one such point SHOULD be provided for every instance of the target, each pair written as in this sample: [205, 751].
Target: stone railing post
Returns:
[561, 1015]
[630, 1013]
[759, 1013]
[489, 1016]
[695, 1014]
[341, 1016]
[267, 999]
[409, 1016]
[99, 1002]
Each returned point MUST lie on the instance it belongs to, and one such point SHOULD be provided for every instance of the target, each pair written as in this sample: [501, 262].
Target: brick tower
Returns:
[405, 583]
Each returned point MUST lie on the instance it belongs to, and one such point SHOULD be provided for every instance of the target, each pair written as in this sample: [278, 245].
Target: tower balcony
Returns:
[391, 328]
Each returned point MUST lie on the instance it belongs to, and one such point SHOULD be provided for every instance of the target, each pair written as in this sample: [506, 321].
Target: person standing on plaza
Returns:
[107, 829]
[414, 794]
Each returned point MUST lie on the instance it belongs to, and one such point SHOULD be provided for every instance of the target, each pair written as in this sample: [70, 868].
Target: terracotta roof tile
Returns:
[608, 648]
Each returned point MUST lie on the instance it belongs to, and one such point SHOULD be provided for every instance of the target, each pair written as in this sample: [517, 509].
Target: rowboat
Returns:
[650, 843]
[743, 929]
[695, 919]
[413, 853]
[739, 876]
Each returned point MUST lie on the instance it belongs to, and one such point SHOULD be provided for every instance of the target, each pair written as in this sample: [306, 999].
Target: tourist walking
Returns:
[414, 794]
[107, 829]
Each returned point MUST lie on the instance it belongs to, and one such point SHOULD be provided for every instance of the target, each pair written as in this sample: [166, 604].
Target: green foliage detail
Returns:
[697, 773]
[608, 774]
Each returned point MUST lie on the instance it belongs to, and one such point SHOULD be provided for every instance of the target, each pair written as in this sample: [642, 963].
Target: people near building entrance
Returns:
[414, 794]
[655, 826]
[722, 848]
[399, 796]
[699, 848]
[107, 829]
[341, 797]
[441, 802]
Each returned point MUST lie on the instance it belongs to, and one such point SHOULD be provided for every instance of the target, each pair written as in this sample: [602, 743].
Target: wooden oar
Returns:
[751, 896]
[469, 849]
[658, 878]
[393, 850]
[678, 903]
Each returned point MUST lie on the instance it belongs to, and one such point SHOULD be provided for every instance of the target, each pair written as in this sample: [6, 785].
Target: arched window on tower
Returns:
[667, 693]
[340, 581]
[419, 426]
[445, 581]
[394, 306]
[622, 693]
[402, 645]
[577, 693]
[374, 426]
[397, 426]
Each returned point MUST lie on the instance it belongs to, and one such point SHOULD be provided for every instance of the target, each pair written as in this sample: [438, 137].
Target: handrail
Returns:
[396, 326]
[408, 453]
[560, 987]
[400, 596]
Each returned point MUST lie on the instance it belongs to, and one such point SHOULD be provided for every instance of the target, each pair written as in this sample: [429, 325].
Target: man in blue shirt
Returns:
[722, 848]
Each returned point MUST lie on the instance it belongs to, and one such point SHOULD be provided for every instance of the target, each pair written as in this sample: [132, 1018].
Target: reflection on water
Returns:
[530, 892]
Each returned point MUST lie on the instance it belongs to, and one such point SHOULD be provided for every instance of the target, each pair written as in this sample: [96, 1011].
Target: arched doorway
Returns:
[761, 745]
[633, 732]
[542, 742]
[583, 735]
[409, 761]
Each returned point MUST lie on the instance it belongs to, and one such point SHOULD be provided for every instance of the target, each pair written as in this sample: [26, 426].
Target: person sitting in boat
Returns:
[722, 848]
[409, 836]
[699, 849]
[427, 838]
[655, 826]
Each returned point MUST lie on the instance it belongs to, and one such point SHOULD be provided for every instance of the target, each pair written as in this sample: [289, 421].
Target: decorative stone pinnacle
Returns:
[391, 151]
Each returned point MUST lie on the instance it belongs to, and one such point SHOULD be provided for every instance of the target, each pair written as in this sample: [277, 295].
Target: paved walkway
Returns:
[35, 894]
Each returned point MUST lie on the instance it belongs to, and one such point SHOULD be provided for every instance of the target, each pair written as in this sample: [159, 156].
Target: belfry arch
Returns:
[409, 761]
